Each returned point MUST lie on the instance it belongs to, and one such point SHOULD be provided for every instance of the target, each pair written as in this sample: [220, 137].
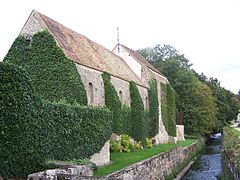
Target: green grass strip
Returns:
[122, 160]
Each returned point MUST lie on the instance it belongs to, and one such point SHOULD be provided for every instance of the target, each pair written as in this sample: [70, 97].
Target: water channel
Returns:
[208, 166]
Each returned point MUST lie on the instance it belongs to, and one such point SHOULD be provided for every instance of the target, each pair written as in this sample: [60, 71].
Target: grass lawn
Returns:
[122, 160]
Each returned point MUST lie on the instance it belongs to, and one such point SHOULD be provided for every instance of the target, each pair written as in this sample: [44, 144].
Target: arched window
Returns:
[146, 103]
[120, 96]
[90, 93]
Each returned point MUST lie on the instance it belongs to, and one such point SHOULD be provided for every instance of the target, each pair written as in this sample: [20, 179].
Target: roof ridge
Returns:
[90, 54]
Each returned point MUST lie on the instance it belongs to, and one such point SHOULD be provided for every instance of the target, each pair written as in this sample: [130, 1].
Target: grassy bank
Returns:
[231, 151]
[122, 160]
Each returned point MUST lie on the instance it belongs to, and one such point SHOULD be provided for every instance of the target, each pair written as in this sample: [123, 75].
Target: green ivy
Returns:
[113, 103]
[127, 120]
[20, 130]
[53, 75]
[76, 132]
[168, 108]
[139, 122]
[32, 131]
[153, 109]
[171, 107]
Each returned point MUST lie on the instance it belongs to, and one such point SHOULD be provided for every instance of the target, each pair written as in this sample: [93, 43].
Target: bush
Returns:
[20, 131]
[153, 109]
[113, 103]
[149, 143]
[125, 144]
[53, 75]
[139, 128]
[76, 132]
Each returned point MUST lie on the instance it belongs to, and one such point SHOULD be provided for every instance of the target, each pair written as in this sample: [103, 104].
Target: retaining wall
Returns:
[156, 167]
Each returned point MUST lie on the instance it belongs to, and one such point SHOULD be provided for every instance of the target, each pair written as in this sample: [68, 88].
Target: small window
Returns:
[90, 92]
[120, 96]
[146, 103]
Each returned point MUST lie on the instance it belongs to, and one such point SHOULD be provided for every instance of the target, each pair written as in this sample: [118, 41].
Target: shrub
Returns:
[53, 75]
[113, 103]
[20, 131]
[139, 128]
[153, 109]
[125, 144]
[149, 143]
[116, 146]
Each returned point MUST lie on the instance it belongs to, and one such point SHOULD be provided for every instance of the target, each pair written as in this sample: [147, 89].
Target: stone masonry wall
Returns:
[180, 132]
[156, 167]
[103, 157]
[33, 25]
[94, 77]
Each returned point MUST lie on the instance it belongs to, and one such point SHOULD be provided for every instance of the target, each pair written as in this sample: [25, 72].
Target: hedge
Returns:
[113, 103]
[53, 75]
[153, 109]
[139, 122]
[168, 108]
[20, 130]
[76, 132]
[32, 131]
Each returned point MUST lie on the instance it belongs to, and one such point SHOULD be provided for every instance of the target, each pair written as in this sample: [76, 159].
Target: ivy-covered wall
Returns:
[76, 132]
[113, 103]
[127, 120]
[20, 130]
[32, 131]
[168, 108]
[53, 75]
[153, 109]
[139, 121]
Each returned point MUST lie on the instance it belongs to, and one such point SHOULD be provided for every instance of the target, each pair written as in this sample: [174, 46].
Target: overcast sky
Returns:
[206, 31]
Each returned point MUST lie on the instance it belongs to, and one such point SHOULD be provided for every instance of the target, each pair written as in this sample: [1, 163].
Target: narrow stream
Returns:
[208, 166]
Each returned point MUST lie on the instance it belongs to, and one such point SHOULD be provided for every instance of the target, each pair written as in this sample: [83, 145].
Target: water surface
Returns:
[208, 166]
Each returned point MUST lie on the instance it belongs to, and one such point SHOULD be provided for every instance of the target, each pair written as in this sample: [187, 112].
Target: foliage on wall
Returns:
[32, 131]
[53, 75]
[168, 108]
[20, 136]
[127, 120]
[113, 103]
[139, 128]
[153, 109]
[76, 132]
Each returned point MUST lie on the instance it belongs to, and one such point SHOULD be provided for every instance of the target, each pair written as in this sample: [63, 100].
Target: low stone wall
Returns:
[156, 167]
[230, 170]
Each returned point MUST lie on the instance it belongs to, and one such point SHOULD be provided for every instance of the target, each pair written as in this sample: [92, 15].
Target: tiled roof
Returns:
[83, 51]
[141, 59]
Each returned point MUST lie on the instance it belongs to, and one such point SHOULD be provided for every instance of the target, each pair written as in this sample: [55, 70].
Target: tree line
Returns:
[207, 106]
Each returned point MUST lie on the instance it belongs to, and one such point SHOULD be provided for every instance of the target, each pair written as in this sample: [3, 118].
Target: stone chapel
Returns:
[92, 59]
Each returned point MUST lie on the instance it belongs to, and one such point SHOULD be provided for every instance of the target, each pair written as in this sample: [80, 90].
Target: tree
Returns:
[192, 97]
[226, 101]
